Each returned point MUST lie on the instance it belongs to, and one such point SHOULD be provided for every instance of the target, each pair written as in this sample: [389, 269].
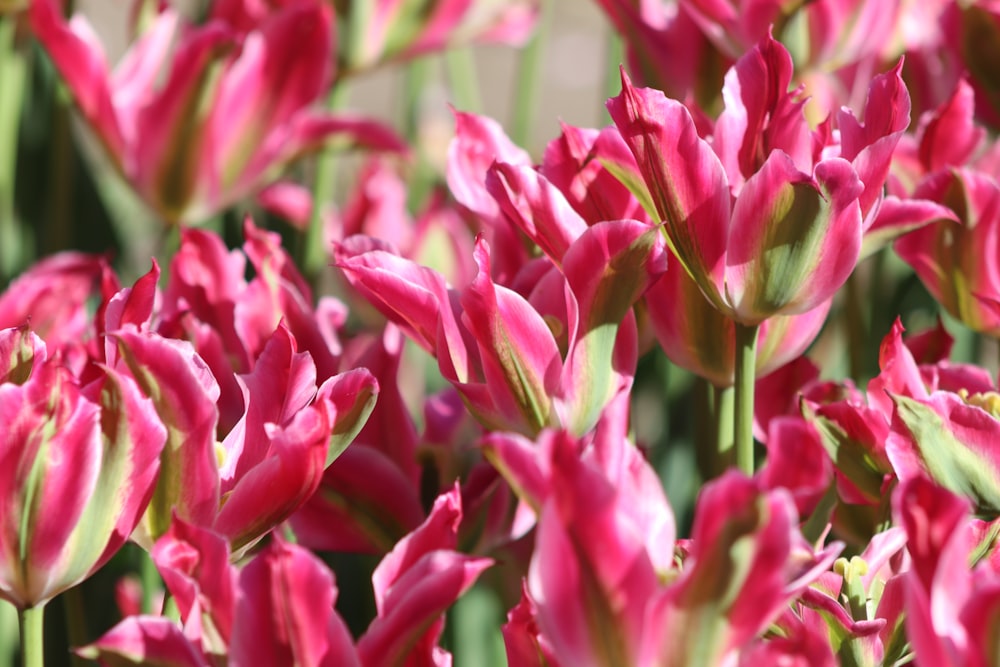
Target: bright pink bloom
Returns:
[77, 468]
[952, 597]
[956, 261]
[51, 297]
[230, 114]
[667, 50]
[496, 346]
[276, 610]
[414, 585]
[289, 433]
[737, 250]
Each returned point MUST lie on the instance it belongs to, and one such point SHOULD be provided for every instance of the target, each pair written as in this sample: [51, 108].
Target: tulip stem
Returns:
[314, 250]
[723, 408]
[76, 620]
[746, 359]
[32, 641]
[461, 68]
[529, 70]
[12, 78]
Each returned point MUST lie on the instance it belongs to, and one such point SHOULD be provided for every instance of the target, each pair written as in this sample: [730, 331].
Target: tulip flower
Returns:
[389, 29]
[289, 433]
[229, 114]
[51, 296]
[277, 610]
[952, 593]
[956, 261]
[414, 584]
[497, 348]
[78, 465]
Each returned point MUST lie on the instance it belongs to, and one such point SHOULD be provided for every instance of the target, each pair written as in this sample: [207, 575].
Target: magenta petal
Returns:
[437, 532]
[521, 360]
[282, 383]
[52, 297]
[591, 575]
[792, 245]
[20, 351]
[194, 564]
[536, 207]
[479, 142]
[687, 182]
[270, 491]
[574, 164]
[607, 269]
[282, 67]
[410, 295]
[50, 462]
[145, 640]
[950, 136]
[409, 622]
[286, 614]
[83, 68]
[184, 394]
[761, 114]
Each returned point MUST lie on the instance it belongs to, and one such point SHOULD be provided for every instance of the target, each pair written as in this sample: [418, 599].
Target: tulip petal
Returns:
[791, 246]
[607, 269]
[184, 393]
[687, 181]
[144, 640]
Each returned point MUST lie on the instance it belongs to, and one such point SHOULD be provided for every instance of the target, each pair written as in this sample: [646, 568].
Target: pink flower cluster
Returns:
[239, 428]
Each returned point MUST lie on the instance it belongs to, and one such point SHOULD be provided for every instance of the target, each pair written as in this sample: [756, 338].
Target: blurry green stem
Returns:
[12, 85]
[418, 73]
[713, 428]
[150, 582]
[527, 81]
[746, 360]
[76, 620]
[616, 57]
[857, 331]
[314, 251]
[462, 78]
[32, 642]
[722, 407]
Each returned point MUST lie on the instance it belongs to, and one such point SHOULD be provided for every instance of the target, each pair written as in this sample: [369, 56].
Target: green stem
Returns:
[723, 406]
[714, 428]
[857, 329]
[314, 250]
[151, 583]
[418, 74]
[746, 360]
[32, 640]
[615, 50]
[462, 78]
[76, 620]
[528, 81]
[12, 78]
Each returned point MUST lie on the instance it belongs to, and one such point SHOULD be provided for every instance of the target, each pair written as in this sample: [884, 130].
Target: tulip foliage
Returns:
[616, 399]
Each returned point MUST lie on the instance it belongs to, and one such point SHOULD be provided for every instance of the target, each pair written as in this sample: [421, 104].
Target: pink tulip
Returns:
[289, 433]
[497, 348]
[277, 610]
[229, 115]
[666, 49]
[77, 468]
[396, 29]
[736, 251]
[414, 584]
[696, 336]
[951, 600]
[51, 297]
[956, 260]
